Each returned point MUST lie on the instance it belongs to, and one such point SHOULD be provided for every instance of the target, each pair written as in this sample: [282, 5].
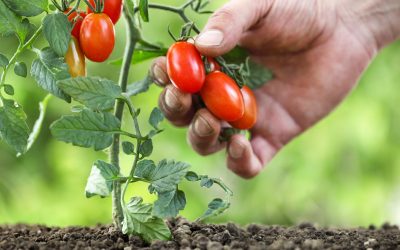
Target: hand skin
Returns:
[317, 50]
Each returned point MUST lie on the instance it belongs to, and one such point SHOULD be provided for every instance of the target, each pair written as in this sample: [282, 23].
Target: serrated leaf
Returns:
[49, 68]
[87, 129]
[27, 7]
[3, 60]
[100, 181]
[156, 117]
[94, 92]
[146, 148]
[138, 220]
[13, 127]
[57, 30]
[9, 21]
[128, 148]
[144, 10]
[8, 89]
[164, 177]
[20, 69]
[139, 87]
[25, 29]
[169, 204]
[215, 207]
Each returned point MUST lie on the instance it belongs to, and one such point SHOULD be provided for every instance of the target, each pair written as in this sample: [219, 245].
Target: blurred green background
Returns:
[345, 171]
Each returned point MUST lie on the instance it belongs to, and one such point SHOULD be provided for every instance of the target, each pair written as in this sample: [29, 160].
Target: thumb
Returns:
[227, 25]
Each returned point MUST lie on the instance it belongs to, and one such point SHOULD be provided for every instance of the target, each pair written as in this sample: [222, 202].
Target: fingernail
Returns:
[210, 38]
[202, 128]
[159, 75]
[171, 101]
[236, 150]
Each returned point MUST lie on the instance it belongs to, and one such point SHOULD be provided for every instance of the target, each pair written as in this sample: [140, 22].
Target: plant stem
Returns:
[20, 49]
[119, 108]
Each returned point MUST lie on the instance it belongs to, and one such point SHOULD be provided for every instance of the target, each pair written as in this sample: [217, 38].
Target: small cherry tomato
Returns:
[75, 59]
[222, 96]
[250, 110]
[97, 37]
[185, 67]
[76, 19]
[214, 65]
[112, 8]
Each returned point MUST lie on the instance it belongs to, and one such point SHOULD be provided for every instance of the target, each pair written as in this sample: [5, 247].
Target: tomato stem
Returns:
[117, 197]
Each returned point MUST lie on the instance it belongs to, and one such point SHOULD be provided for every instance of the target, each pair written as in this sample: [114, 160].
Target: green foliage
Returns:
[100, 181]
[10, 23]
[49, 68]
[13, 127]
[27, 8]
[128, 148]
[169, 204]
[57, 30]
[3, 60]
[20, 69]
[87, 129]
[93, 92]
[139, 87]
[138, 219]
[144, 10]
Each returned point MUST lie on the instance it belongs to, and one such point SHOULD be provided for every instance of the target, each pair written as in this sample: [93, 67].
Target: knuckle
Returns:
[224, 15]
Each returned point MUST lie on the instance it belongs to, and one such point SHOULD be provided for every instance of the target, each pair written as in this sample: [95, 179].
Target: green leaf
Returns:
[39, 122]
[9, 22]
[142, 54]
[26, 28]
[3, 60]
[87, 129]
[169, 204]
[146, 148]
[215, 207]
[192, 176]
[13, 127]
[164, 177]
[144, 10]
[94, 92]
[138, 220]
[156, 117]
[128, 148]
[57, 30]
[8, 89]
[20, 69]
[257, 76]
[100, 181]
[139, 87]
[206, 182]
[27, 7]
[49, 68]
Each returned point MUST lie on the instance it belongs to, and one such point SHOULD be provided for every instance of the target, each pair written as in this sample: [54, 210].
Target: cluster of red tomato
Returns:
[93, 35]
[220, 93]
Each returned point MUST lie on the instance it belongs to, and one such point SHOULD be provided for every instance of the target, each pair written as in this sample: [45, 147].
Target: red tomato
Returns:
[76, 18]
[250, 110]
[75, 59]
[97, 37]
[112, 8]
[185, 67]
[222, 96]
[214, 65]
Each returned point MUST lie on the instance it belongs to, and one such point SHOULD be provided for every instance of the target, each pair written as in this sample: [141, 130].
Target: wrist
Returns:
[378, 22]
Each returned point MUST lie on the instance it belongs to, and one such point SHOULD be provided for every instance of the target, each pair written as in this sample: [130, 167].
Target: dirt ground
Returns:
[203, 236]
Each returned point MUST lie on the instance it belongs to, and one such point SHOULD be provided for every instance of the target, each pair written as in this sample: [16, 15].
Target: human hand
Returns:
[317, 51]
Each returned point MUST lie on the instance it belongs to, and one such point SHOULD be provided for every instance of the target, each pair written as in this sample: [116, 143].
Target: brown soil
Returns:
[201, 236]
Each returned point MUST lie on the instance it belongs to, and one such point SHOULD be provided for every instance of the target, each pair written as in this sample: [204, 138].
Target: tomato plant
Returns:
[222, 97]
[112, 8]
[59, 69]
[97, 37]
[249, 117]
[185, 67]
